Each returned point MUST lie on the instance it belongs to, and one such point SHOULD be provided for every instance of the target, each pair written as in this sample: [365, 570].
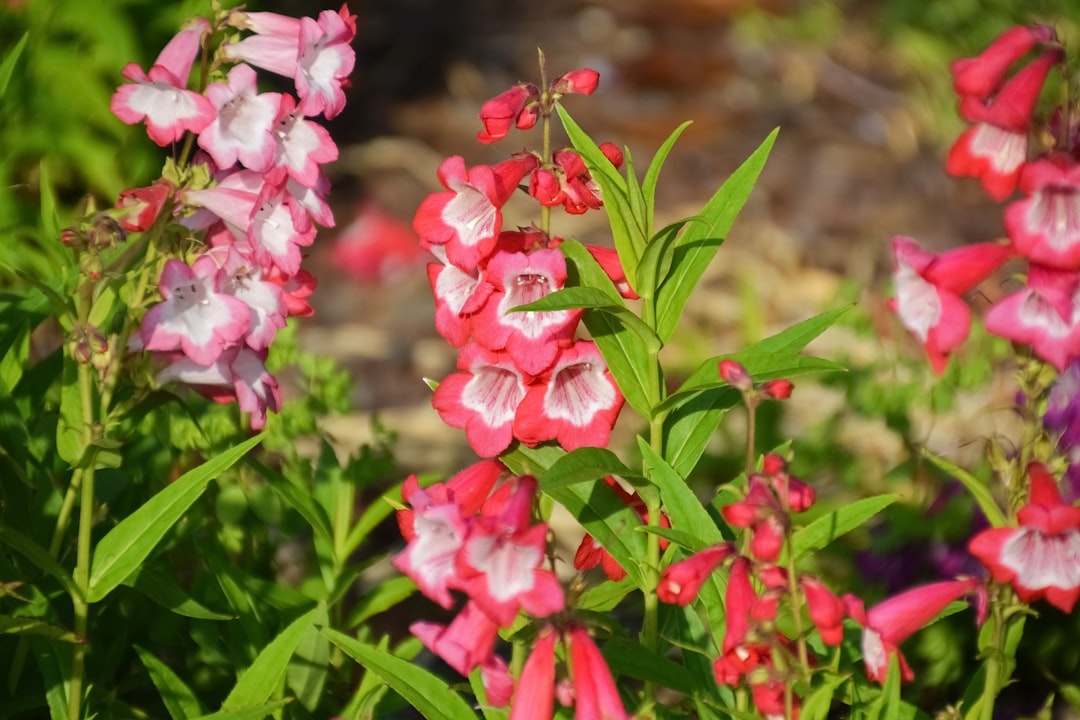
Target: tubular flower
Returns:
[1045, 226]
[981, 76]
[928, 289]
[680, 582]
[1041, 557]
[535, 695]
[1043, 315]
[515, 106]
[595, 694]
[889, 623]
[826, 610]
[467, 643]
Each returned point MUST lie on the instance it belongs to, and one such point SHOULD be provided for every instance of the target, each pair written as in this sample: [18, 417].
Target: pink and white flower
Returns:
[532, 338]
[483, 398]
[576, 402]
[928, 289]
[465, 644]
[301, 146]
[1041, 557]
[238, 374]
[1045, 226]
[439, 529]
[196, 316]
[265, 300]
[160, 96]
[1043, 314]
[241, 131]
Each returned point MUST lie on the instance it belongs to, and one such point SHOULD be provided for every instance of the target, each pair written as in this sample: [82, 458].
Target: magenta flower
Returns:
[196, 316]
[160, 96]
[531, 338]
[458, 296]
[237, 374]
[515, 106]
[1045, 226]
[1041, 557]
[500, 560]
[483, 398]
[439, 529]
[465, 644]
[576, 403]
[891, 622]
[242, 129]
[1043, 315]
[981, 76]
[579, 82]
[928, 289]
[467, 219]
[681, 582]
[827, 611]
[301, 145]
[142, 205]
[535, 695]
[468, 489]
[595, 694]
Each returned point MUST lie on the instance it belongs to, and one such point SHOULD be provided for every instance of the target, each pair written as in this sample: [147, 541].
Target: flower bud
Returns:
[733, 373]
[90, 266]
[105, 232]
[579, 82]
[73, 238]
[778, 389]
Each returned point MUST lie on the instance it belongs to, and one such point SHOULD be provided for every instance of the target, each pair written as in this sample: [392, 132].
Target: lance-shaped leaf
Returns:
[178, 698]
[158, 584]
[426, 692]
[265, 674]
[830, 526]
[652, 176]
[695, 248]
[126, 546]
[656, 261]
[628, 234]
[973, 485]
[583, 465]
[572, 298]
[682, 506]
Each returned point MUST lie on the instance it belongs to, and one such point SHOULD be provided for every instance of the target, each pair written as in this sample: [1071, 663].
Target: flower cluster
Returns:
[254, 187]
[522, 375]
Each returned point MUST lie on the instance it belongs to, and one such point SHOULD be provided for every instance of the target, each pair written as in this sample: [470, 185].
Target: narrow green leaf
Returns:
[697, 246]
[606, 595]
[682, 506]
[179, 700]
[583, 270]
[625, 657]
[697, 646]
[584, 465]
[12, 625]
[126, 546]
[818, 702]
[684, 539]
[626, 356]
[50, 218]
[652, 175]
[264, 676]
[54, 663]
[7, 67]
[249, 712]
[70, 430]
[153, 581]
[37, 555]
[657, 259]
[830, 526]
[308, 671]
[572, 298]
[426, 692]
[384, 596]
[297, 497]
[974, 485]
[231, 580]
[629, 237]
[635, 197]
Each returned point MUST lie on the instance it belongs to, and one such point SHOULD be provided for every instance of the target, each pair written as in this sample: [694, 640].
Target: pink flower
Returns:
[265, 300]
[680, 582]
[826, 610]
[575, 403]
[324, 61]
[891, 622]
[531, 338]
[982, 75]
[734, 374]
[567, 183]
[500, 562]
[468, 489]
[467, 219]
[483, 398]
[195, 317]
[928, 289]
[242, 129]
[160, 96]
[1040, 557]
[465, 644]
[595, 694]
[301, 145]
[995, 148]
[1043, 315]
[439, 529]
[535, 696]
[1045, 226]
[458, 296]
[237, 374]
[506, 110]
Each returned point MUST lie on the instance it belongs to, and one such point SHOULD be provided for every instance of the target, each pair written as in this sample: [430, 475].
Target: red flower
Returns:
[595, 694]
[680, 582]
[507, 109]
[1040, 557]
[982, 75]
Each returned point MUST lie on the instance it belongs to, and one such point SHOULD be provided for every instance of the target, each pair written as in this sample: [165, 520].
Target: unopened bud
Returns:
[73, 238]
[733, 373]
[580, 82]
[778, 389]
[105, 232]
[78, 345]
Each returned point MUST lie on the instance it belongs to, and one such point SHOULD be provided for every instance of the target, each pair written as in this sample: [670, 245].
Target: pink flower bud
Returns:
[579, 82]
[502, 112]
[680, 582]
[733, 373]
[778, 389]
[826, 610]
[613, 153]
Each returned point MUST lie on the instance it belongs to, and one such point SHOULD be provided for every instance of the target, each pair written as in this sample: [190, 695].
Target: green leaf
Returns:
[308, 671]
[652, 175]
[70, 430]
[384, 596]
[12, 625]
[595, 506]
[606, 595]
[126, 546]
[426, 692]
[695, 248]
[974, 485]
[584, 465]
[627, 358]
[830, 526]
[625, 657]
[299, 498]
[656, 261]
[265, 674]
[37, 555]
[160, 585]
[684, 539]
[682, 506]
[54, 664]
[50, 218]
[818, 702]
[628, 235]
[7, 67]
[584, 271]
[178, 698]
[249, 712]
